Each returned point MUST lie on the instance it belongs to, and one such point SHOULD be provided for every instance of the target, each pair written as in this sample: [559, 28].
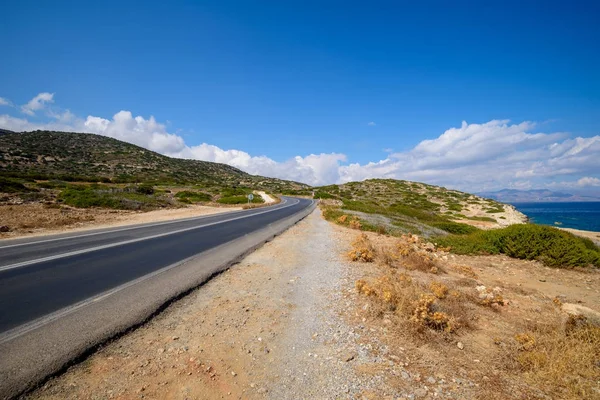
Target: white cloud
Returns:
[372, 123]
[472, 157]
[37, 103]
[5, 102]
[588, 181]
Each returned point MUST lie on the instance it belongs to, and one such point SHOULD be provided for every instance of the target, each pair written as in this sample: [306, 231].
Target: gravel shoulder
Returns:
[288, 323]
[31, 220]
[263, 329]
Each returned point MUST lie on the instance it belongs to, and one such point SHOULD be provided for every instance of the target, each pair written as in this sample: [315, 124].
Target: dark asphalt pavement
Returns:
[40, 276]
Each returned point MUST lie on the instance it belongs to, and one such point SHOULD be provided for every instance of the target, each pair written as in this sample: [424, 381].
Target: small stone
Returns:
[431, 380]
[460, 345]
[233, 373]
[175, 337]
[4, 228]
[349, 357]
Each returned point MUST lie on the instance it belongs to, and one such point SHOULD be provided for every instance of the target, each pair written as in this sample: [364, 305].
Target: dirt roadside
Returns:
[35, 219]
[288, 323]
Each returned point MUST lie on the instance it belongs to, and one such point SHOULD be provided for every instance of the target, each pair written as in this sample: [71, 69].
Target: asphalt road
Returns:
[41, 276]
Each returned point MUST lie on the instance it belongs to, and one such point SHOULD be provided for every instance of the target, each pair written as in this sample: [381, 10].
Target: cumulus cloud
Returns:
[5, 102]
[588, 181]
[37, 103]
[472, 157]
[488, 156]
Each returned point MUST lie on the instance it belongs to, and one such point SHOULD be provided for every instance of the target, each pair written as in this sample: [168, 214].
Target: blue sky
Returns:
[264, 85]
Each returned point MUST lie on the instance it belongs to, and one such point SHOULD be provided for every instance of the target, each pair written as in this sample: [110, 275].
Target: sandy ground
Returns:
[28, 220]
[593, 236]
[266, 198]
[288, 323]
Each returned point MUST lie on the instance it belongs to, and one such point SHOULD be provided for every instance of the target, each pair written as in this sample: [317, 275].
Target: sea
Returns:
[576, 215]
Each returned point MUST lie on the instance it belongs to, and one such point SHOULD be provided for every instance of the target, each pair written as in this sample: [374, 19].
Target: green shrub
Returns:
[230, 192]
[96, 195]
[319, 194]
[455, 227]
[551, 246]
[145, 188]
[9, 185]
[239, 200]
[193, 197]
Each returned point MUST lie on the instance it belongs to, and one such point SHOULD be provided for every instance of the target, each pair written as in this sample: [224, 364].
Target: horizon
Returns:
[477, 98]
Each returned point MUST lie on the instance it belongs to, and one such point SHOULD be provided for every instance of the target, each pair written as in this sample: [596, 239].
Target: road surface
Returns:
[41, 276]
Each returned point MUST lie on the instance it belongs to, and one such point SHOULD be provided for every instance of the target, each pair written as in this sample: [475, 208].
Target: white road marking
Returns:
[127, 228]
[106, 246]
[37, 323]
[29, 326]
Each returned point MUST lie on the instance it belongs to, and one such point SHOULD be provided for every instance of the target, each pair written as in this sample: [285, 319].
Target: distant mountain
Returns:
[539, 195]
[87, 157]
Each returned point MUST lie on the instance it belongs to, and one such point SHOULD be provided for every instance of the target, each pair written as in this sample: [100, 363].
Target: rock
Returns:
[460, 345]
[431, 380]
[420, 392]
[4, 228]
[350, 356]
[175, 337]
[233, 373]
[577, 309]
[429, 247]
[405, 375]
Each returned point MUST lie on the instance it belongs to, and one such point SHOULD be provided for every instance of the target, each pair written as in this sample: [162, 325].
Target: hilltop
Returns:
[413, 207]
[87, 157]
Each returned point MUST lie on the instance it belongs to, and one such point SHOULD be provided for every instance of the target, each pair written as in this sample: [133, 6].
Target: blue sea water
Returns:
[580, 215]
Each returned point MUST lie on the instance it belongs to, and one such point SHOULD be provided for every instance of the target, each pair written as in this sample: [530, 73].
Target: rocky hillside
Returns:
[94, 158]
[417, 207]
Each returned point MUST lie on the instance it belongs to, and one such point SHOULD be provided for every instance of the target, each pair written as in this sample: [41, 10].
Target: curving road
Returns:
[41, 276]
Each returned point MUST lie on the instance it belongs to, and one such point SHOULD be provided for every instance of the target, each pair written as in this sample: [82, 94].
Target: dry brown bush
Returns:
[355, 223]
[561, 358]
[465, 270]
[362, 249]
[438, 289]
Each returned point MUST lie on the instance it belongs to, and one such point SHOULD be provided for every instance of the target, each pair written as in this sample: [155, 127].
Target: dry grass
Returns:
[561, 358]
[35, 216]
[465, 270]
[413, 306]
[515, 357]
[362, 250]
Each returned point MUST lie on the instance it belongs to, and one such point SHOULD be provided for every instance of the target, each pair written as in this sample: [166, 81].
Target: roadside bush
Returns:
[9, 185]
[553, 247]
[239, 200]
[193, 197]
[145, 188]
[96, 195]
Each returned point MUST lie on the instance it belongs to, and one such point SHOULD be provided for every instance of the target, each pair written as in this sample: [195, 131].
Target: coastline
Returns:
[593, 236]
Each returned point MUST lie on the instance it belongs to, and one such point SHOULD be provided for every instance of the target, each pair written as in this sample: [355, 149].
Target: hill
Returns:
[87, 157]
[403, 207]
[539, 195]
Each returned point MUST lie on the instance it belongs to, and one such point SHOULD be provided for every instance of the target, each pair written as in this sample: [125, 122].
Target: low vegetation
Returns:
[562, 357]
[552, 246]
[95, 195]
[82, 157]
[436, 305]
